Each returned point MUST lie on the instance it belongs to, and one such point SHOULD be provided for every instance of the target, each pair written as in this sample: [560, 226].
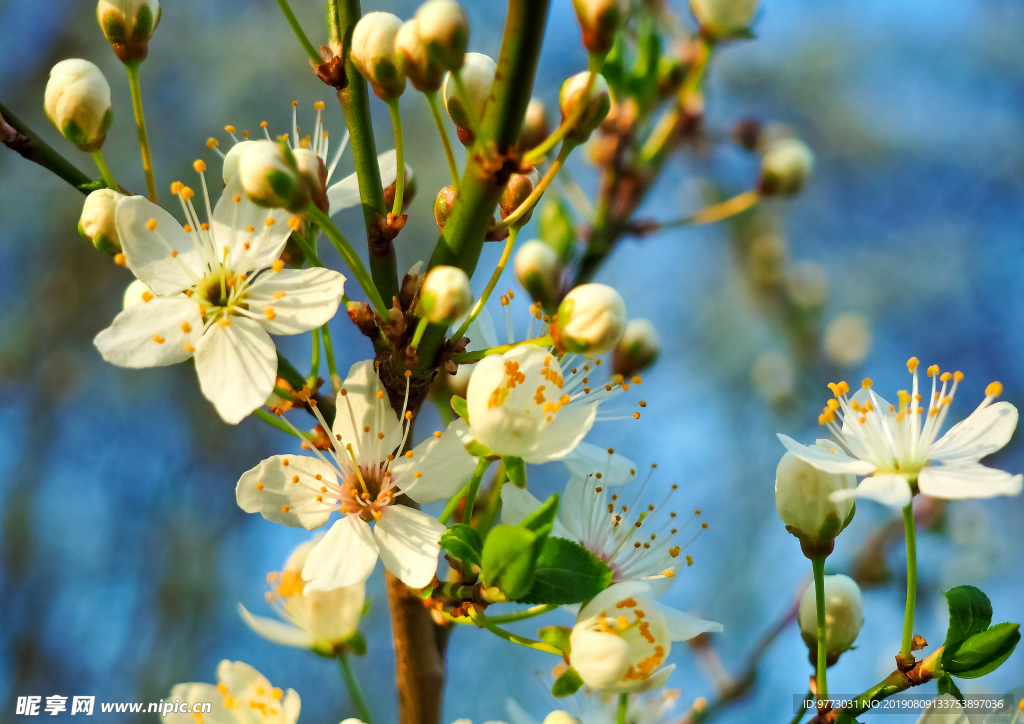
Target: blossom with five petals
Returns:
[242, 696]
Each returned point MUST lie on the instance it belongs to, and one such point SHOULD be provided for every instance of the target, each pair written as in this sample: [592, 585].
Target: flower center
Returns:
[367, 492]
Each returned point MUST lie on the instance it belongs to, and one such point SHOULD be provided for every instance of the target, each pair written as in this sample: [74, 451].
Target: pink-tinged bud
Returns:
[444, 204]
[596, 109]
[414, 60]
[517, 190]
[477, 75]
[128, 25]
[600, 20]
[590, 320]
[444, 28]
[77, 101]
[373, 53]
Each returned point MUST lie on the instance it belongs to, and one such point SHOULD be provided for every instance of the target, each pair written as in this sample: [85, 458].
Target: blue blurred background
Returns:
[122, 552]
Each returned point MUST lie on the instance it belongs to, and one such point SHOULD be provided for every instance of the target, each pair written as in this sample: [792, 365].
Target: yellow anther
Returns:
[212, 143]
[946, 377]
[636, 415]
[158, 339]
[186, 327]
[187, 193]
[957, 376]
[912, 364]
[437, 434]
[278, 265]
[843, 388]
[417, 474]
[199, 166]
[380, 394]
[866, 383]
[259, 486]
[833, 404]
[994, 389]
[408, 454]
[281, 295]
[622, 622]
[285, 508]
[270, 221]
[319, 106]
[276, 693]
[189, 347]
[295, 104]
[236, 198]
[408, 415]
[151, 224]
[229, 129]
[637, 379]
[147, 296]
[933, 370]
[689, 560]
[176, 187]
[188, 230]
[668, 573]
[224, 322]
[270, 314]
[263, 124]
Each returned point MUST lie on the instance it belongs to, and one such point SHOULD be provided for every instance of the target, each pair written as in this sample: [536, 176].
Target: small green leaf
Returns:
[367, 606]
[557, 636]
[946, 685]
[567, 684]
[566, 572]
[970, 612]
[477, 450]
[462, 542]
[542, 520]
[356, 643]
[508, 559]
[981, 653]
[460, 407]
[515, 468]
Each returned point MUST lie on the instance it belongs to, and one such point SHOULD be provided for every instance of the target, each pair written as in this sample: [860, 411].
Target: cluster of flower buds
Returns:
[77, 101]
[597, 106]
[97, 221]
[785, 167]
[373, 53]
[724, 19]
[538, 270]
[804, 499]
[590, 320]
[274, 177]
[599, 22]
[128, 25]
[638, 349]
[844, 615]
[445, 295]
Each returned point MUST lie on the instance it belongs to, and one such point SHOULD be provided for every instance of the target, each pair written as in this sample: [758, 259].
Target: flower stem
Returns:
[435, 111]
[537, 153]
[802, 710]
[465, 357]
[274, 422]
[314, 367]
[351, 259]
[718, 212]
[474, 485]
[467, 489]
[297, 29]
[478, 307]
[524, 614]
[481, 620]
[101, 164]
[18, 137]
[140, 124]
[542, 185]
[355, 694]
[818, 564]
[623, 708]
[332, 363]
[396, 122]
[908, 616]
[421, 327]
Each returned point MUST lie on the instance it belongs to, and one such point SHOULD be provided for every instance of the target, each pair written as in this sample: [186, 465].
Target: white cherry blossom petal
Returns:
[164, 257]
[981, 434]
[409, 544]
[253, 237]
[237, 366]
[684, 626]
[586, 459]
[566, 431]
[159, 332]
[655, 681]
[443, 465]
[198, 692]
[891, 490]
[239, 676]
[276, 631]
[345, 193]
[271, 489]
[362, 416]
[953, 482]
[822, 459]
[298, 300]
[344, 557]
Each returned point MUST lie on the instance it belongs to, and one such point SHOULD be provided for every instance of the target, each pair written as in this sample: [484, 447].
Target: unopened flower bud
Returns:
[444, 27]
[557, 228]
[802, 497]
[232, 158]
[373, 52]
[517, 190]
[590, 320]
[413, 58]
[535, 125]
[537, 268]
[445, 295]
[560, 717]
[638, 348]
[723, 19]
[314, 175]
[271, 178]
[77, 101]
[600, 659]
[785, 167]
[844, 615]
[128, 25]
[138, 292]
[599, 21]
[748, 133]
[444, 205]
[477, 75]
[97, 221]
[596, 109]
[848, 339]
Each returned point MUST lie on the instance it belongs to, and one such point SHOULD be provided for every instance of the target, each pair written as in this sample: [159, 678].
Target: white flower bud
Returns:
[723, 19]
[590, 320]
[844, 615]
[535, 125]
[271, 178]
[445, 295]
[802, 497]
[599, 21]
[444, 27]
[596, 110]
[413, 58]
[232, 158]
[477, 75]
[97, 221]
[848, 339]
[560, 717]
[785, 167]
[807, 285]
[638, 348]
[601, 659]
[314, 175]
[373, 52]
[538, 271]
[128, 25]
[77, 101]
[138, 292]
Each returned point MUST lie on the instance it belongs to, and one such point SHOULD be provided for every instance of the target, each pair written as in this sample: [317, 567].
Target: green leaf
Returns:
[515, 468]
[557, 636]
[567, 684]
[356, 643]
[542, 520]
[477, 450]
[508, 559]
[462, 542]
[982, 652]
[970, 612]
[946, 685]
[566, 572]
[460, 407]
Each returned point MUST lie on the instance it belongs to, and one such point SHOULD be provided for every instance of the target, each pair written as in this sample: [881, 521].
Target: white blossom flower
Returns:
[898, 447]
[242, 696]
[218, 291]
[318, 620]
[360, 477]
[592, 707]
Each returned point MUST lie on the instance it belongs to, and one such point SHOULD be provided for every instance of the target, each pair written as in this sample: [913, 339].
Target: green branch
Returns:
[19, 137]
[299, 33]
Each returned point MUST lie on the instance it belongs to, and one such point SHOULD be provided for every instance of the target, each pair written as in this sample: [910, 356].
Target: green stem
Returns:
[421, 327]
[474, 485]
[536, 154]
[466, 357]
[355, 265]
[435, 111]
[718, 212]
[468, 489]
[908, 616]
[25, 141]
[478, 307]
[396, 122]
[481, 620]
[314, 367]
[623, 708]
[332, 363]
[486, 521]
[297, 29]
[274, 422]
[140, 124]
[355, 694]
[802, 710]
[525, 614]
[101, 164]
[542, 185]
[818, 564]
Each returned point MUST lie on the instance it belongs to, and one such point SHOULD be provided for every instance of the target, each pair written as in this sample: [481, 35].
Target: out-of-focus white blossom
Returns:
[242, 696]
[848, 339]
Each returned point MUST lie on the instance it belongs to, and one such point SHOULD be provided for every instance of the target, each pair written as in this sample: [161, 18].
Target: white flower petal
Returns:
[276, 631]
[388, 164]
[570, 426]
[586, 459]
[152, 334]
[517, 503]
[232, 221]
[344, 557]
[822, 459]
[606, 599]
[981, 434]
[345, 193]
[655, 681]
[360, 408]
[239, 677]
[683, 626]
[481, 332]
[291, 705]
[161, 258]
[954, 482]
[197, 692]
[237, 366]
[442, 462]
[891, 490]
[300, 299]
[271, 486]
[409, 544]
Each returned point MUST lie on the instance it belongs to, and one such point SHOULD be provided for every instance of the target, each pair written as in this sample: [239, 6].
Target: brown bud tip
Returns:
[747, 133]
[918, 643]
